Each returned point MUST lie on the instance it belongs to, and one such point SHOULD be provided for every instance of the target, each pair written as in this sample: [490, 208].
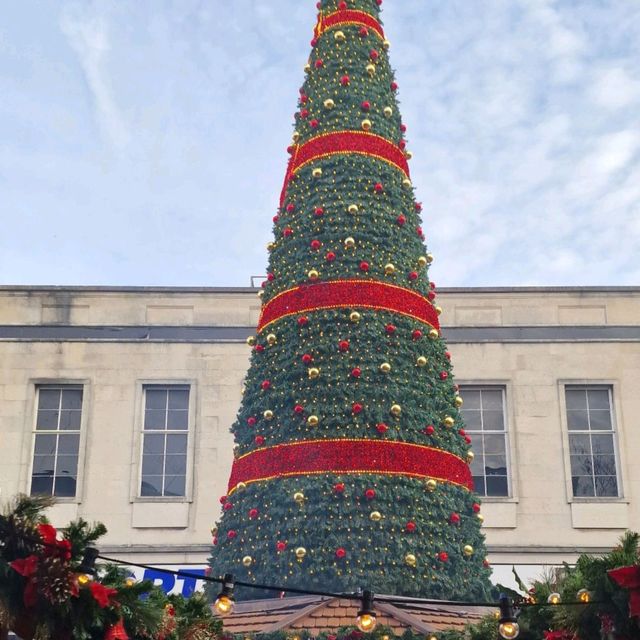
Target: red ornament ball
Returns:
[356, 408]
[314, 124]
[403, 128]
[259, 348]
[338, 487]
[485, 563]
[431, 296]
[259, 440]
[365, 106]
[467, 439]
[381, 427]
[356, 372]
[223, 499]
[364, 32]
[214, 542]
[416, 334]
[342, 5]
[373, 54]
[402, 144]
[344, 345]
[390, 329]
[410, 526]
[364, 266]
[475, 507]
[318, 212]
[432, 285]
[340, 552]
[307, 358]
[303, 321]
[401, 220]
[370, 494]
[270, 277]
[231, 534]
[330, 257]
[266, 385]
[443, 375]
[228, 506]
[276, 218]
[419, 232]
[314, 42]
[251, 421]
[253, 513]
[429, 429]
[315, 244]
[394, 86]
[298, 409]
[304, 113]
[454, 518]
[418, 206]
[291, 207]
[319, 63]
[344, 81]
[443, 556]
[447, 355]
[413, 275]
[462, 432]
[287, 232]
[378, 188]
[281, 546]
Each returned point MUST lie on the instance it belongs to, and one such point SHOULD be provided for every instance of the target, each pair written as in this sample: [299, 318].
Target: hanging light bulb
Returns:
[87, 568]
[584, 595]
[508, 624]
[224, 602]
[554, 598]
[366, 620]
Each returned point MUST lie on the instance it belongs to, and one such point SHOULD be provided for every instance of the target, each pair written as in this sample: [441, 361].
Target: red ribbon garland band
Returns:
[333, 294]
[346, 456]
[347, 17]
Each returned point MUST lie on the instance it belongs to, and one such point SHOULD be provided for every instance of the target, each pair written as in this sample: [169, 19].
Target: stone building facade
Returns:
[119, 402]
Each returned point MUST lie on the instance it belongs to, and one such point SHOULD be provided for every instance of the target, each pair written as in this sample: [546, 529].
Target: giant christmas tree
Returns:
[351, 465]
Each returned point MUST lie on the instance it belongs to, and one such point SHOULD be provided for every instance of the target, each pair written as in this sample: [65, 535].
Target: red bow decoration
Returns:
[101, 594]
[53, 546]
[27, 568]
[629, 578]
[116, 632]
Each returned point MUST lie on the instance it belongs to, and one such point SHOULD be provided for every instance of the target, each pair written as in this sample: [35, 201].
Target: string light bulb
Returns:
[224, 601]
[584, 595]
[366, 620]
[554, 598]
[508, 626]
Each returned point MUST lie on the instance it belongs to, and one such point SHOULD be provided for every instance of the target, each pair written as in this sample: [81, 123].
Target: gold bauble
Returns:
[268, 414]
[480, 517]
[271, 246]
[371, 69]
[260, 293]
[458, 401]
[339, 36]
[307, 68]
[366, 124]
[385, 367]
[313, 274]
[470, 456]
[352, 208]
[301, 552]
[314, 373]
[298, 496]
[241, 486]
[129, 582]
[386, 44]
[422, 261]
[421, 361]
[376, 516]
[296, 136]
[388, 112]
[247, 561]
[349, 243]
[434, 334]
[271, 339]
[410, 559]
[251, 340]
[430, 258]
[406, 183]
[329, 103]
[396, 409]
[438, 309]
[214, 531]
[317, 172]
[389, 269]
[312, 421]
[467, 550]
[448, 421]
[354, 316]
[431, 484]
[408, 155]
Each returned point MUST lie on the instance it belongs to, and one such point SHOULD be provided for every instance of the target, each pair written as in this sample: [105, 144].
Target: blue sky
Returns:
[143, 141]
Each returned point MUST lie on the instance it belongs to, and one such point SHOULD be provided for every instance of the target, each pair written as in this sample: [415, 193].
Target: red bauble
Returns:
[403, 128]
[378, 188]
[287, 232]
[314, 42]
[364, 266]
[314, 124]
[259, 348]
[462, 432]
[390, 329]
[223, 499]
[303, 114]
[429, 429]
[431, 296]
[253, 513]
[381, 427]
[259, 440]
[330, 257]
[378, 2]
[356, 408]
[228, 506]
[356, 372]
[342, 5]
[251, 421]
[364, 32]
[443, 375]
[270, 277]
[365, 106]
[373, 54]
[338, 487]
[402, 144]
[344, 81]
[340, 552]
[303, 321]
[290, 149]
[432, 285]
[410, 526]
[400, 220]
[413, 275]
[370, 494]
[315, 244]
[447, 355]
[418, 206]
[394, 86]
[307, 358]
[454, 518]
[214, 541]
[485, 563]
[264, 284]
[276, 218]
[467, 439]
[298, 409]
[475, 507]
[344, 345]
[266, 385]
[416, 334]
[443, 556]
[319, 63]
[318, 212]
[281, 546]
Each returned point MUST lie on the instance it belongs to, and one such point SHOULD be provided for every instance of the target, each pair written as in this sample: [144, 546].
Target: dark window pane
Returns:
[179, 399]
[156, 399]
[153, 443]
[495, 465]
[606, 487]
[577, 420]
[582, 486]
[598, 399]
[471, 399]
[472, 419]
[154, 419]
[602, 443]
[151, 486]
[49, 399]
[497, 486]
[41, 485]
[68, 443]
[581, 465]
[70, 420]
[492, 421]
[65, 487]
[494, 444]
[492, 400]
[47, 420]
[176, 443]
[479, 486]
[152, 465]
[177, 420]
[604, 465]
[576, 400]
[175, 465]
[600, 420]
[45, 444]
[174, 486]
[72, 399]
[579, 444]
[43, 465]
[67, 466]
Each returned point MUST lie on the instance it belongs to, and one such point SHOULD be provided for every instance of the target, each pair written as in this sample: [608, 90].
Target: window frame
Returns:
[137, 449]
[509, 420]
[35, 384]
[616, 431]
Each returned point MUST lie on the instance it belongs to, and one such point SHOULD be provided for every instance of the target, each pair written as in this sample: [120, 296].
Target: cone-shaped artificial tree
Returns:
[351, 465]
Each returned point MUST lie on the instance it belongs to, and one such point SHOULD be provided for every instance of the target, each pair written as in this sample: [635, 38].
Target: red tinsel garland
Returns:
[367, 294]
[347, 17]
[348, 456]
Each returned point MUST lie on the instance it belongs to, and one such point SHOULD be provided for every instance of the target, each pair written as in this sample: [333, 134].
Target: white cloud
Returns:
[614, 88]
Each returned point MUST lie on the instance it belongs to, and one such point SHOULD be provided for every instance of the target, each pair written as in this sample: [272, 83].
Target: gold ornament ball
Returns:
[296, 136]
[458, 401]
[307, 68]
[406, 183]
[298, 496]
[314, 373]
[313, 274]
[247, 561]
[410, 559]
[396, 409]
[317, 172]
[271, 246]
[349, 243]
[388, 112]
[467, 550]
[376, 516]
[430, 258]
[329, 103]
[386, 44]
[408, 155]
[371, 69]
[434, 334]
[241, 486]
[421, 361]
[422, 261]
[214, 531]
[448, 421]
[268, 414]
[339, 36]
[385, 367]
[271, 339]
[352, 208]
[480, 517]
[260, 294]
[354, 316]
[301, 552]
[438, 309]
[431, 484]
[389, 269]
[312, 421]
[470, 456]
[251, 340]
[366, 124]
[129, 582]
